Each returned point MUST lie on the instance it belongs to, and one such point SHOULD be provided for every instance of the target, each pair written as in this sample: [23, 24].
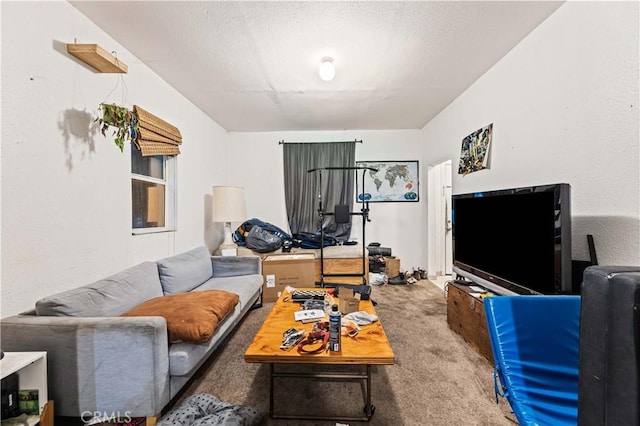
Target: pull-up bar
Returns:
[282, 142]
[364, 212]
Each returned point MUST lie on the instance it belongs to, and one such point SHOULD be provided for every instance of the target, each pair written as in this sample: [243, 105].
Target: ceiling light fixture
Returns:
[327, 70]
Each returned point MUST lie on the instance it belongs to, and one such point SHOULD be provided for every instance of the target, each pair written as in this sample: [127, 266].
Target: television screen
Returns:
[516, 239]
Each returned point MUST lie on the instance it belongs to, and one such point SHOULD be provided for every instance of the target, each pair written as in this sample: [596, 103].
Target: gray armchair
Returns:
[609, 379]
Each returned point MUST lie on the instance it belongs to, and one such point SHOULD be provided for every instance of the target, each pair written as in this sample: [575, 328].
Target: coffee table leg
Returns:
[271, 389]
[368, 408]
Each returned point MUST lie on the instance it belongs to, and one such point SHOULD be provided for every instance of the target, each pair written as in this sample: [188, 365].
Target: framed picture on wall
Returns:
[394, 181]
[474, 154]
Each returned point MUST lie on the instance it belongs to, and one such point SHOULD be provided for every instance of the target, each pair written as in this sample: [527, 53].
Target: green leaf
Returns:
[121, 119]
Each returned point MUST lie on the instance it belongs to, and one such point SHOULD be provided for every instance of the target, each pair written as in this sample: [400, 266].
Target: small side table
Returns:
[32, 371]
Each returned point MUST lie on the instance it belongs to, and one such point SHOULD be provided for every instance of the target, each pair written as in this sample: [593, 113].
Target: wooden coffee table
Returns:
[369, 347]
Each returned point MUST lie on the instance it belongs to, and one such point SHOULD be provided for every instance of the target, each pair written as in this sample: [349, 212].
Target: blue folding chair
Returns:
[535, 342]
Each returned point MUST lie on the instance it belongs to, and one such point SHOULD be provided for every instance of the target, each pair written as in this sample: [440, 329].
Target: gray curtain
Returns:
[302, 189]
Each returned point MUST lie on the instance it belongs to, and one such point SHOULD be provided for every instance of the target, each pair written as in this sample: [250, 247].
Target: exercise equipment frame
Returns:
[364, 212]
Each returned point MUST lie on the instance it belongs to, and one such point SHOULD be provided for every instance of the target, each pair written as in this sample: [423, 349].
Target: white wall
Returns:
[564, 107]
[401, 226]
[66, 197]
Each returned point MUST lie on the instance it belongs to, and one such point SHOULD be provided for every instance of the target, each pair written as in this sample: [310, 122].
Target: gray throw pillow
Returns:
[186, 271]
[108, 297]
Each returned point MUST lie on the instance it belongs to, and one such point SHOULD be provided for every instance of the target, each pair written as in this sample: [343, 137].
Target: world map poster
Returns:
[393, 181]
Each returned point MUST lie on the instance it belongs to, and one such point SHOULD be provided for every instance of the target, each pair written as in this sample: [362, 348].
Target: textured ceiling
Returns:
[253, 66]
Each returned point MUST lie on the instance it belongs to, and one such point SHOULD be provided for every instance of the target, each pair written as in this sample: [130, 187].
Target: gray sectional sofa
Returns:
[100, 362]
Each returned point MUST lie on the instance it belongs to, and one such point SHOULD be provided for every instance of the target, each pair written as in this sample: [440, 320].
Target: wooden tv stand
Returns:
[465, 316]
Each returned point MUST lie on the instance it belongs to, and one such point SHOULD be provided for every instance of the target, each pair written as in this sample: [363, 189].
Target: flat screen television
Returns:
[514, 241]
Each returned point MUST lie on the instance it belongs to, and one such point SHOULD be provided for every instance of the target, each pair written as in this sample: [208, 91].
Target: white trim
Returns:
[148, 179]
[144, 231]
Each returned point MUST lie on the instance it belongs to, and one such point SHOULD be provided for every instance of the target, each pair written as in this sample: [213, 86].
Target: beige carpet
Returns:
[437, 379]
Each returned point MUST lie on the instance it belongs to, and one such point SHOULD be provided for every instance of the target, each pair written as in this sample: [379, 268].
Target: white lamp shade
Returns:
[228, 204]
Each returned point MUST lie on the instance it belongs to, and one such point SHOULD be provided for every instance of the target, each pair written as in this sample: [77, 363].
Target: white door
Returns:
[440, 252]
[448, 242]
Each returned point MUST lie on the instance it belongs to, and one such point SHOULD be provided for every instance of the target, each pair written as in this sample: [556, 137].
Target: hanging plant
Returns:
[122, 120]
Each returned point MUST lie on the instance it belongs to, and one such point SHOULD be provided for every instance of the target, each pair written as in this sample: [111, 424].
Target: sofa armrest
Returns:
[232, 266]
[102, 364]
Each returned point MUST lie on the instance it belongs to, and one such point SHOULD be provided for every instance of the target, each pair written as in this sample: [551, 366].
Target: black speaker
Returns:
[10, 403]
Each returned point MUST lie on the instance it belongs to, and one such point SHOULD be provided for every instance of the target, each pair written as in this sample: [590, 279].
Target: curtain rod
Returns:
[342, 168]
[282, 142]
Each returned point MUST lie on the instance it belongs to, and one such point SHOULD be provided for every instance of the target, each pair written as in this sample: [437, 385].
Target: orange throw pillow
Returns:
[191, 317]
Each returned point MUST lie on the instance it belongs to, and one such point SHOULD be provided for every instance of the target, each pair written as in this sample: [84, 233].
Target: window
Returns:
[152, 192]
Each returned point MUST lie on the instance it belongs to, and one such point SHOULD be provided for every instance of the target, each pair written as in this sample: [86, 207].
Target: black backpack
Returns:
[240, 234]
[262, 241]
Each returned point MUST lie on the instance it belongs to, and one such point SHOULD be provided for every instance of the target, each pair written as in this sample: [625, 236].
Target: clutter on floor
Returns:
[207, 410]
[385, 268]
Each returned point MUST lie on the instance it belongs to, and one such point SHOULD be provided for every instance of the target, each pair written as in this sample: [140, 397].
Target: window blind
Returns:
[156, 136]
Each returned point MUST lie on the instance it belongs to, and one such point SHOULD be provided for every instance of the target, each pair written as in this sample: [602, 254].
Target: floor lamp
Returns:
[228, 206]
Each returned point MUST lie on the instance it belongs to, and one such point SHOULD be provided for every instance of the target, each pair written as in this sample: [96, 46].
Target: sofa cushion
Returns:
[246, 286]
[184, 272]
[191, 317]
[108, 297]
[233, 266]
[185, 358]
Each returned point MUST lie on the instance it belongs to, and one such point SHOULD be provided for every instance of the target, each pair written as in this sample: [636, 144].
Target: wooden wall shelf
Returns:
[97, 58]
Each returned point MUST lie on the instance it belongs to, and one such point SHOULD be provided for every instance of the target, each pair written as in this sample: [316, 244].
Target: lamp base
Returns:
[228, 250]
[228, 247]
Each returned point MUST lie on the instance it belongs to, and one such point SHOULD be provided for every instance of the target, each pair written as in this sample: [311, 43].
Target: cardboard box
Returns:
[348, 301]
[279, 271]
[392, 266]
